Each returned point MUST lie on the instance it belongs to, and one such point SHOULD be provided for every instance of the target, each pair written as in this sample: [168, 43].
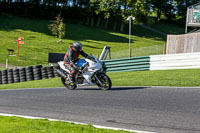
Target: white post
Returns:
[129, 37]
[6, 63]
[130, 18]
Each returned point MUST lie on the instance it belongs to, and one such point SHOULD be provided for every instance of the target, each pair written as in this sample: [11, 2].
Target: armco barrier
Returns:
[127, 64]
[154, 62]
[175, 61]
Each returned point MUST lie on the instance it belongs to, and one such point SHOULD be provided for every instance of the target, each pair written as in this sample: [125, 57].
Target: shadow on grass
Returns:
[73, 31]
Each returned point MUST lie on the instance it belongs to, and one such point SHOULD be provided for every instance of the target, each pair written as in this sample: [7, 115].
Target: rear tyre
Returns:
[106, 83]
[70, 86]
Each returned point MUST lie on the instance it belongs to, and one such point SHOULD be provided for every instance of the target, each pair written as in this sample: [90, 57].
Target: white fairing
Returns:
[94, 65]
[62, 66]
[92, 68]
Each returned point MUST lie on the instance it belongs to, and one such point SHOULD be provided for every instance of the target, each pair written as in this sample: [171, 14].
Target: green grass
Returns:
[168, 28]
[21, 125]
[2, 67]
[183, 78]
[45, 83]
[38, 41]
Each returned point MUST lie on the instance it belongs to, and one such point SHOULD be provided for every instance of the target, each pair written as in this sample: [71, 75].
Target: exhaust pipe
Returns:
[60, 72]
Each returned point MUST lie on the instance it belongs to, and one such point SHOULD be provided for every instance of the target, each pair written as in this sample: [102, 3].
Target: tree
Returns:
[169, 9]
[118, 9]
[158, 6]
[182, 6]
[57, 27]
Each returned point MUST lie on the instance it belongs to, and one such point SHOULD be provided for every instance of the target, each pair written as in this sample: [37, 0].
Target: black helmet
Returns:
[77, 46]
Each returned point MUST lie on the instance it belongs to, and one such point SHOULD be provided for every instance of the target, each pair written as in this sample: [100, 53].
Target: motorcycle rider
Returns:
[71, 57]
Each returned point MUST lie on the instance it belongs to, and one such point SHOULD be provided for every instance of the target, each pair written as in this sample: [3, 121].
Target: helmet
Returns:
[77, 46]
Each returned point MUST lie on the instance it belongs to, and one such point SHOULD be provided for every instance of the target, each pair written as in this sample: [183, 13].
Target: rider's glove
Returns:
[78, 68]
[90, 57]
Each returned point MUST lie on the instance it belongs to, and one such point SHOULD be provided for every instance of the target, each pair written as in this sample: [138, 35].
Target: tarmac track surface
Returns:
[155, 109]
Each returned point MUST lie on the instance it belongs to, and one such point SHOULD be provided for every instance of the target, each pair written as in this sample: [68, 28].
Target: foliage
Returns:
[57, 27]
[182, 6]
[123, 8]
[107, 14]
[61, 30]
[109, 8]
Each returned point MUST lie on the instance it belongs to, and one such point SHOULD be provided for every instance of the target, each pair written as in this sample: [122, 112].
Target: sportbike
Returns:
[90, 73]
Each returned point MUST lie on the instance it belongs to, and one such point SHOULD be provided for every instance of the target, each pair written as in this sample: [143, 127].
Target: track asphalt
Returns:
[153, 109]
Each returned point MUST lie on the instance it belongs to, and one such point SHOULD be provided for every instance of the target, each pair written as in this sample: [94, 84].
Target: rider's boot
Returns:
[72, 79]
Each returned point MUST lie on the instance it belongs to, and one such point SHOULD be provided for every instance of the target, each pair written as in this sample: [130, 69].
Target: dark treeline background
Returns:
[108, 14]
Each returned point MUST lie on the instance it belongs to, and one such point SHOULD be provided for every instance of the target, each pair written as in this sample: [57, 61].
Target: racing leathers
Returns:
[70, 59]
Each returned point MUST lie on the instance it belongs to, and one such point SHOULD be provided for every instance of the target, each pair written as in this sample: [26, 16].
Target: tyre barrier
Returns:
[22, 74]
[16, 75]
[4, 77]
[28, 73]
[10, 76]
[37, 75]
[44, 73]
[55, 68]
[50, 72]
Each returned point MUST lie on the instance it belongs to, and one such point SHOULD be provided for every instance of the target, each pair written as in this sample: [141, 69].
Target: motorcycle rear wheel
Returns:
[106, 82]
[70, 86]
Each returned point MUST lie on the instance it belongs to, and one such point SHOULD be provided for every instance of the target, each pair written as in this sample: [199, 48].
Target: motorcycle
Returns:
[91, 73]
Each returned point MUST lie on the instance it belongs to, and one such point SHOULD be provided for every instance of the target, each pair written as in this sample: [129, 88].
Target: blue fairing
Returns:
[80, 62]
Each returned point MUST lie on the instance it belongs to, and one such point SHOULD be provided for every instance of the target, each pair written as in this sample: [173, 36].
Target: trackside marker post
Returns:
[19, 42]
[130, 18]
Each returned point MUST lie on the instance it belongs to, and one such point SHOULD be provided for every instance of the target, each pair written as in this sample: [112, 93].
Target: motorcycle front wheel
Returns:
[106, 83]
[70, 86]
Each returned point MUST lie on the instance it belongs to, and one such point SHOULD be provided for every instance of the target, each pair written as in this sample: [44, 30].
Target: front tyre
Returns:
[106, 83]
[70, 86]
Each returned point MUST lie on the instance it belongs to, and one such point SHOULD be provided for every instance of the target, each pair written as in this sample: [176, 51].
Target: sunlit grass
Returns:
[187, 77]
[38, 41]
[21, 125]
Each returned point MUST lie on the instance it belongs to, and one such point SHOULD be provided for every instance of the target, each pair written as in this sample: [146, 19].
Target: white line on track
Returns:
[96, 126]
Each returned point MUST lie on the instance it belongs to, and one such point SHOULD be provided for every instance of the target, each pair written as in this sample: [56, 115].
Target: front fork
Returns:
[97, 79]
[97, 75]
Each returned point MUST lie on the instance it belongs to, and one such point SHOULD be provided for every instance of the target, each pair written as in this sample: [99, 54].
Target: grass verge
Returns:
[183, 78]
[22, 125]
[38, 41]
[168, 28]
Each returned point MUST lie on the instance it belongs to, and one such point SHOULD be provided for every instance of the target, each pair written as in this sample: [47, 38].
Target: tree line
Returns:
[108, 14]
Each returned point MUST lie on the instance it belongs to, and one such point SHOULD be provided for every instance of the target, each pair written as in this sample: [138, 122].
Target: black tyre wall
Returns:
[10, 76]
[4, 77]
[50, 72]
[22, 74]
[55, 68]
[44, 73]
[29, 73]
[37, 72]
[16, 75]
